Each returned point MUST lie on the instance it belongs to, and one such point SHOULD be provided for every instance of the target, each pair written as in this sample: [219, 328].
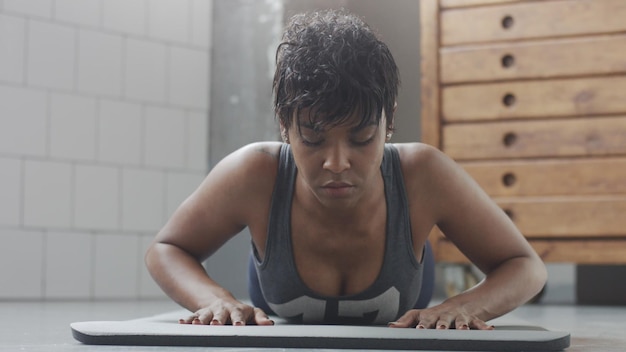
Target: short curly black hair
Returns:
[334, 65]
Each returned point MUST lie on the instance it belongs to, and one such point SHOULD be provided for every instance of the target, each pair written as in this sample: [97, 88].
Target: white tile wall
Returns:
[23, 121]
[143, 200]
[72, 127]
[189, 78]
[100, 63]
[126, 16]
[10, 191]
[146, 70]
[47, 194]
[197, 137]
[12, 39]
[38, 8]
[169, 20]
[68, 262]
[97, 197]
[21, 264]
[116, 269]
[120, 132]
[103, 132]
[201, 28]
[164, 137]
[51, 55]
[84, 12]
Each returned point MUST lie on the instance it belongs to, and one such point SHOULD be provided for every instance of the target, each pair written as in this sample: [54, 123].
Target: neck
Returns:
[353, 213]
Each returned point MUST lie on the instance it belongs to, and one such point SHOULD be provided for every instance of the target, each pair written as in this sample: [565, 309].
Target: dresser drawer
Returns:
[535, 99]
[522, 139]
[531, 20]
[554, 177]
[579, 250]
[462, 3]
[538, 59]
[567, 216]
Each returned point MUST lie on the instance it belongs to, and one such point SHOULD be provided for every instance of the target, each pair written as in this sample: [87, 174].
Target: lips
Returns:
[335, 189]
[335, 184]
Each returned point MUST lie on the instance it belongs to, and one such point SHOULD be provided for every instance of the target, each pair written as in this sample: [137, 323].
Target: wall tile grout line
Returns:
[105, 30]
[166, 105]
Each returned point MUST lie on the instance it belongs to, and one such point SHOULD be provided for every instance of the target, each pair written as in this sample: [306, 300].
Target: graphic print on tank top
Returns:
[396, 287]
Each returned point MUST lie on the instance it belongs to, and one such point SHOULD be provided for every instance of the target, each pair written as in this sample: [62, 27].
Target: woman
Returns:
[339, 218]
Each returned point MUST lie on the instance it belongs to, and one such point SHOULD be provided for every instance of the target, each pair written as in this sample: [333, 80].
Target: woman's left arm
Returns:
[486, 236]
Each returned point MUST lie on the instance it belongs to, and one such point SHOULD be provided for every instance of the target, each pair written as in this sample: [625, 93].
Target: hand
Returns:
[440, 317]
[222, 312]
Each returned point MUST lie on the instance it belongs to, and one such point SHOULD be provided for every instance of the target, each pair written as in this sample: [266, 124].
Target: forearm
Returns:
[510, 285]
[182, 277]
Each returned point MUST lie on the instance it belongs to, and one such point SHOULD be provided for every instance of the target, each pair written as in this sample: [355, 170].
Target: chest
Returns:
[340, 259]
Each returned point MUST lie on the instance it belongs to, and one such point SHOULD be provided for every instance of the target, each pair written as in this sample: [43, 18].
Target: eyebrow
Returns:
[316, 128]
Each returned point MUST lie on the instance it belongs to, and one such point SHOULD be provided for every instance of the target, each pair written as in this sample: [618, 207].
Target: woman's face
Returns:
[339, 164]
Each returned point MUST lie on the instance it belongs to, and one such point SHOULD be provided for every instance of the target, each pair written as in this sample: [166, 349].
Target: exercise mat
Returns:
[164, 330]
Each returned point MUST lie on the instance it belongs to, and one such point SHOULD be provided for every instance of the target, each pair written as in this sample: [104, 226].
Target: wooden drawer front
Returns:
[531, 20]
[551, 138]
[462, 3]
[567, 216]
[545, 59]
[581, 251]
[593, 176]
[533, 99]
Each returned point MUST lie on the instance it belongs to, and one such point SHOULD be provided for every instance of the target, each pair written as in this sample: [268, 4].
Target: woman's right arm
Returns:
[219, 209]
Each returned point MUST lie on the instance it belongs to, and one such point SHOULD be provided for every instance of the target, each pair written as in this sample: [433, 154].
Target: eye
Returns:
[311, 139]
[363, 138]
[311, 144]
[363, 142]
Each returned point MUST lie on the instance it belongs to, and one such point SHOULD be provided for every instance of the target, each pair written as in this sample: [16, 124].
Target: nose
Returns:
[337, 158]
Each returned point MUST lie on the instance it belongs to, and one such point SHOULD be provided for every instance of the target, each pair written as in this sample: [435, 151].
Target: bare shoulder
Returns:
[431, 176]
[422, 162]
[417, 154]
[249, 170]
[234, 194]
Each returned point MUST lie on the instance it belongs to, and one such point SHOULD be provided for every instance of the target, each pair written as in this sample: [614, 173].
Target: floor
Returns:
[44, 326]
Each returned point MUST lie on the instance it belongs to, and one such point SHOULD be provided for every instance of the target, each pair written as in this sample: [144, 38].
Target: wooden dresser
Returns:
[529, 97]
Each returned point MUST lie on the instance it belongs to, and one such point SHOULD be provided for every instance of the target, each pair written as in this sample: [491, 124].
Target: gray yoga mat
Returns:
[164, 330]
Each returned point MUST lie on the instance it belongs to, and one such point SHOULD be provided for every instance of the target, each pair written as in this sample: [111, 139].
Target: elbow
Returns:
[149, 258]
[539, 275]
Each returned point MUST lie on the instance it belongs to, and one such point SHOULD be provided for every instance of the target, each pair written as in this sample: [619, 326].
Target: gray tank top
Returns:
[394, 291]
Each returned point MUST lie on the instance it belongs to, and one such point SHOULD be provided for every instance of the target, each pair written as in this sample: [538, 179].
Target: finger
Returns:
[237, 317]
[260, 318]
[219, 318]
[187, 320]
[442, 324]
[408, 320]
[461, 324]
[426, 322]
[480, 325]
[203, 318]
